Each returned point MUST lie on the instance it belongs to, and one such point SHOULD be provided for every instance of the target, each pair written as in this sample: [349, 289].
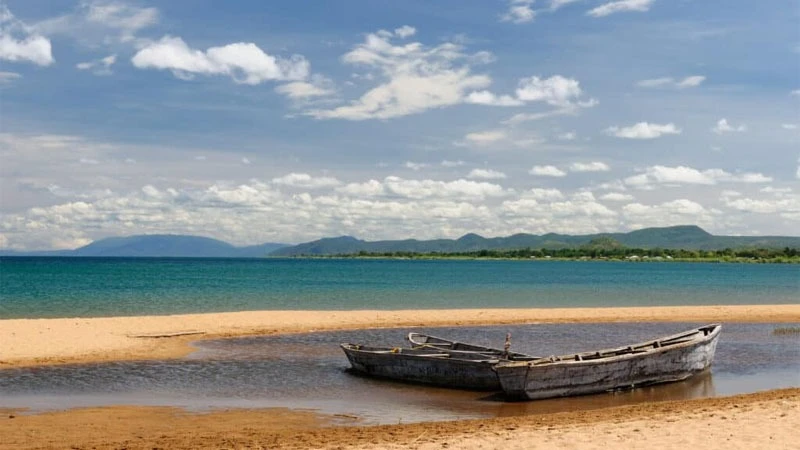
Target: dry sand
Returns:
[27, 342]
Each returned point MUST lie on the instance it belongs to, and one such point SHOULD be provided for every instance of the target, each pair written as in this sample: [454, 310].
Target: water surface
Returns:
[309, 371]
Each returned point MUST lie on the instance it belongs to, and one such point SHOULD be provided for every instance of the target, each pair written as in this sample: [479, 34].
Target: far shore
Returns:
[32, 342]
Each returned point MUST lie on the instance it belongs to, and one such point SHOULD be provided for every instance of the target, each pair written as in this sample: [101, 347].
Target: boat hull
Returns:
[532, 381]
[437, 369]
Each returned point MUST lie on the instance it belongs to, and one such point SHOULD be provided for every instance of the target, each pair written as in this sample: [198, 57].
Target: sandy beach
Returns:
[760, 420]
[764, 419]
[27, 342]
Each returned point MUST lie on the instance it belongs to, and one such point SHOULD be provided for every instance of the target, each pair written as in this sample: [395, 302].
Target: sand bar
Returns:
[29, 342]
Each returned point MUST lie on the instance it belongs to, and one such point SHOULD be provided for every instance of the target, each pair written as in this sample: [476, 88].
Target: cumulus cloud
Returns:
[244, 62]
[486, 137]
[317, 86]
[687, 175]
[558, 91]
[690, 81]
[405, 31]
[489, 98]
[676, 212]
[618, 6]
[643, 130]
[616, 197]
[100, 66]
[594, 166]
[18, 43]
[415, 78]
[519, 11]
[304, 180]
[547, 171]
[486, 174]
[723, 127]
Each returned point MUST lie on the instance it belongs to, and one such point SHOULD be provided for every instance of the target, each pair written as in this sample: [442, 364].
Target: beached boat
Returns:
[671, 358]
[419, 340]
[455, 368]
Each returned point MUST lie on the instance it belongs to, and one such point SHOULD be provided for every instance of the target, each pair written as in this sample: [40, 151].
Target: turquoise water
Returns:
[67, 287]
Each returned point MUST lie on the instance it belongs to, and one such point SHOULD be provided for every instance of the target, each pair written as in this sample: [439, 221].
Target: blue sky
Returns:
[290, 121]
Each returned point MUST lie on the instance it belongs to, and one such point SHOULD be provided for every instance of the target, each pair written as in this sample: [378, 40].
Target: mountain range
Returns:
[687, 237]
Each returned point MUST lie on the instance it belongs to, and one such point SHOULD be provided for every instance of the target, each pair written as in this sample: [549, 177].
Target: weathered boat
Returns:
[664, 360]
[419, 340]
[463, 369]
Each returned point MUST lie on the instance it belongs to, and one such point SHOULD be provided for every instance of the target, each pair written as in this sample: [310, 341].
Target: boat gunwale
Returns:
[647, 348]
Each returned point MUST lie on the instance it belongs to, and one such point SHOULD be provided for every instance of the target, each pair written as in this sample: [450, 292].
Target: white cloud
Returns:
[486, 174]
[405, 31]
[547, 171]
[18, 43]
[447, 163]
[8, 77]
[486, 137]
[789, 126]
[488, 98]
[620, 6]
[724, 127]
[687, 175]
[100, 66]
[594, 166]
[690, 81]
[795, 92]
[415, 166]
[556, 90]
[568, 136]
[304, 180]
[101, 22]
[616, 197]
[643, 130]
[415, 78]
[797, 174]
[244, 62]
[127, 18]
[319, 86]
[519, 11]
[557, 4]
[675, 212]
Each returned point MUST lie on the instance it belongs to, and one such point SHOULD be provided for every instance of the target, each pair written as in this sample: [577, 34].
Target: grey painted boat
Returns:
[419, 340]
[463, 369]
[664, 360]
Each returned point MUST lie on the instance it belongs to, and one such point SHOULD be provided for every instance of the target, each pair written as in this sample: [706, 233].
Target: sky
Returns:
[289, 121]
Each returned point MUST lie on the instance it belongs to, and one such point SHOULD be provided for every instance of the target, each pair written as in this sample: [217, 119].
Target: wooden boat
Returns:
[419, 340]
[455, 368]
[671, 358]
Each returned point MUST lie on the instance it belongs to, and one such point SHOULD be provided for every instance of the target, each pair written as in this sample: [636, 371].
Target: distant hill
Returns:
[162, 245]
[688, 237]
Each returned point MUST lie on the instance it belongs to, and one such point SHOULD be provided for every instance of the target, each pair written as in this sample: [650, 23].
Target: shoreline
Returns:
[35, 342]
[757, 420]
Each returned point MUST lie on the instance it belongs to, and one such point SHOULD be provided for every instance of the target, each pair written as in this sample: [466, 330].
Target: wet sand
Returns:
[31, 342]
[766, 419]
[760, 420]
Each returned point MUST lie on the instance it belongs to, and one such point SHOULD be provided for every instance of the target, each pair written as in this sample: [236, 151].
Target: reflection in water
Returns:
[309, 371]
